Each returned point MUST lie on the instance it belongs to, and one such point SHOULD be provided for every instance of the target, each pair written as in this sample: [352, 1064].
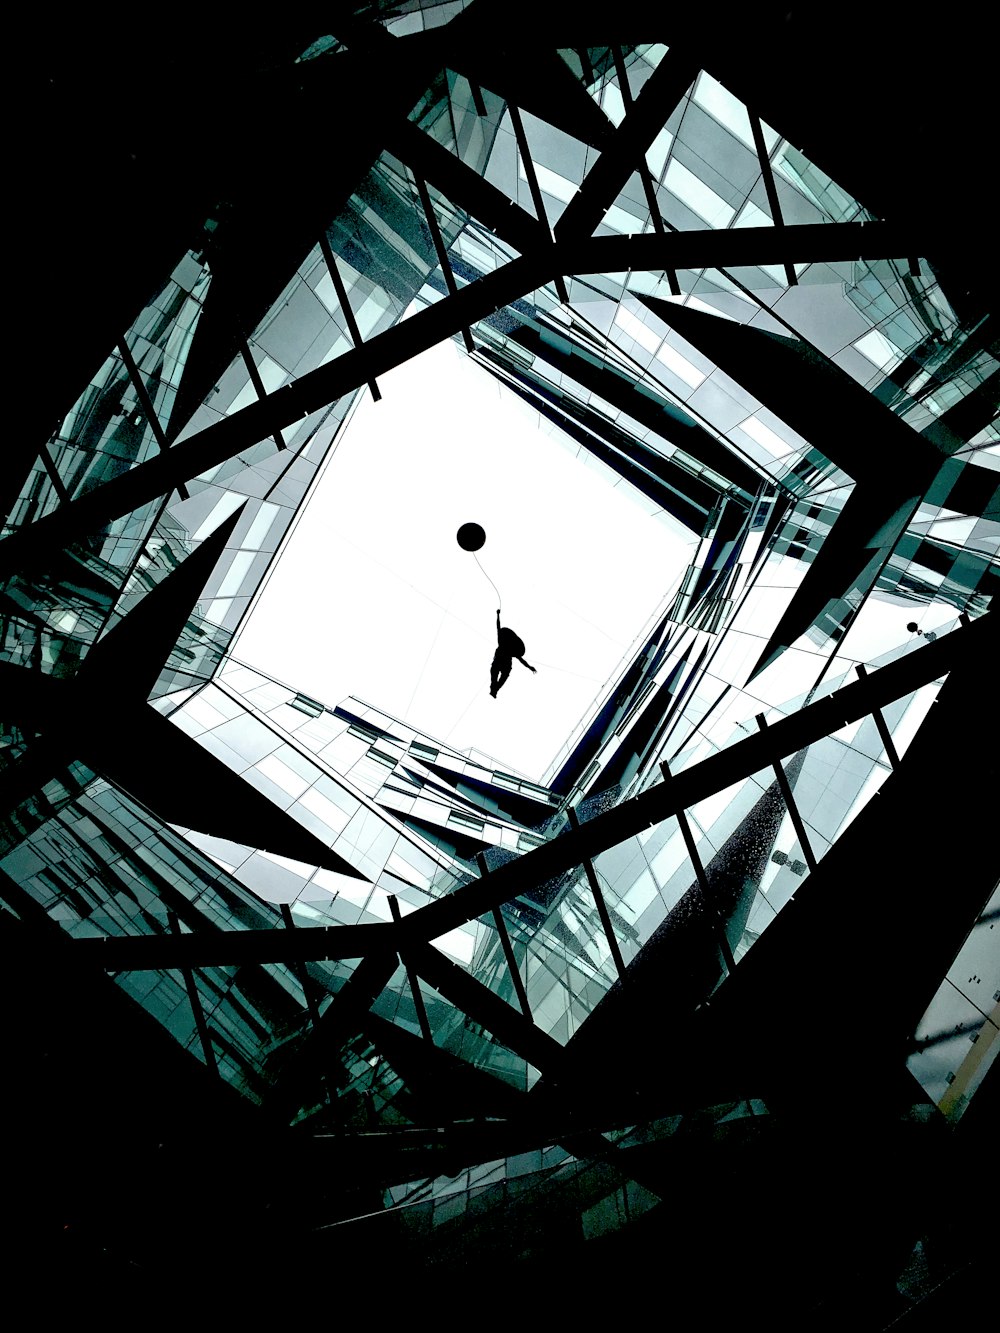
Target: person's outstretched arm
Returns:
[527, 664]
[498, 624]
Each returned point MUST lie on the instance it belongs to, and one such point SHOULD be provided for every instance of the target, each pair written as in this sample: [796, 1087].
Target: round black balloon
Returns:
[471, 537]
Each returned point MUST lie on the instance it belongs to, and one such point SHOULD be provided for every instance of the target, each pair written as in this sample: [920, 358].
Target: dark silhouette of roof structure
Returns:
[721, 1129]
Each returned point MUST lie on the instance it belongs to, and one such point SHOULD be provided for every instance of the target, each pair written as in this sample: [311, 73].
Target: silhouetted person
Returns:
[509, 646]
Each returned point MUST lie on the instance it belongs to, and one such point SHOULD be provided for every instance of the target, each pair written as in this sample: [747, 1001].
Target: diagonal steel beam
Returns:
[648, 184]
[814, 395]
[626, 152]
[194, 1000]
[770, 189]
[441, 251]
[508, 948]
[342, 1019]
[659, 414]
[433, 162]
[527, 162]
[412, 979]
[346, 309]
[712, 775]
[225, 439]
[484, 1007]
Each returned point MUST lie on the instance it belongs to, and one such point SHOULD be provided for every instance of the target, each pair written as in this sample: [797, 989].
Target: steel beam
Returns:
[885, 734]
[602, 907]
[770, 189]
[699, 873]
[528, 163]
[231, 436]
[345, 304]
[305, 981]
[343, 1018]
[431, 161]
[53, 472]
[258, 384]
[194, 999]
[412, 979]
[790, 804]
[784, 737]
[486, 1008]
[508, 949]
[440, 251]
[658, 98]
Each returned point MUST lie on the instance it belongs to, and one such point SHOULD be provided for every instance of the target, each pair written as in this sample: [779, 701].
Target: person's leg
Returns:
[503, 671]
[495, 681]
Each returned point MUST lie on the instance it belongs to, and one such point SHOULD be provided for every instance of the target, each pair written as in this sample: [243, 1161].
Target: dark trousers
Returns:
[500, 670]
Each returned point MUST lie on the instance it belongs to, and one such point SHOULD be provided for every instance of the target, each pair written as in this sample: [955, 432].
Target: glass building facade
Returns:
[735, 948]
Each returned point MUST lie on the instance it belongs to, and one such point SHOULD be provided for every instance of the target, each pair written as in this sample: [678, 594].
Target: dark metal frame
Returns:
[482, 896]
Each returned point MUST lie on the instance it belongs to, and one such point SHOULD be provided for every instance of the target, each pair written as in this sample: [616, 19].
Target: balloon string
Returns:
[489, 581]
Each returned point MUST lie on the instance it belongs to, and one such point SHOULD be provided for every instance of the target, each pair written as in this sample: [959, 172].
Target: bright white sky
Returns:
[372, 595]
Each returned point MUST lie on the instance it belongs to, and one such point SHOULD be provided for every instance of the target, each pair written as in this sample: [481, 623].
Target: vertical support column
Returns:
[703, 885]
[648, 185]
[477, 99]
[54, 477]
[411, 977]
[142, 393]
[536, 194]
[602, 907]
[258, 384]
[884, 733]
[345, 305]
[300, 971]
[442, 253]
[770, 189]
[312, 1006]
[508, 948]
[793, 809]
[194, 999]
